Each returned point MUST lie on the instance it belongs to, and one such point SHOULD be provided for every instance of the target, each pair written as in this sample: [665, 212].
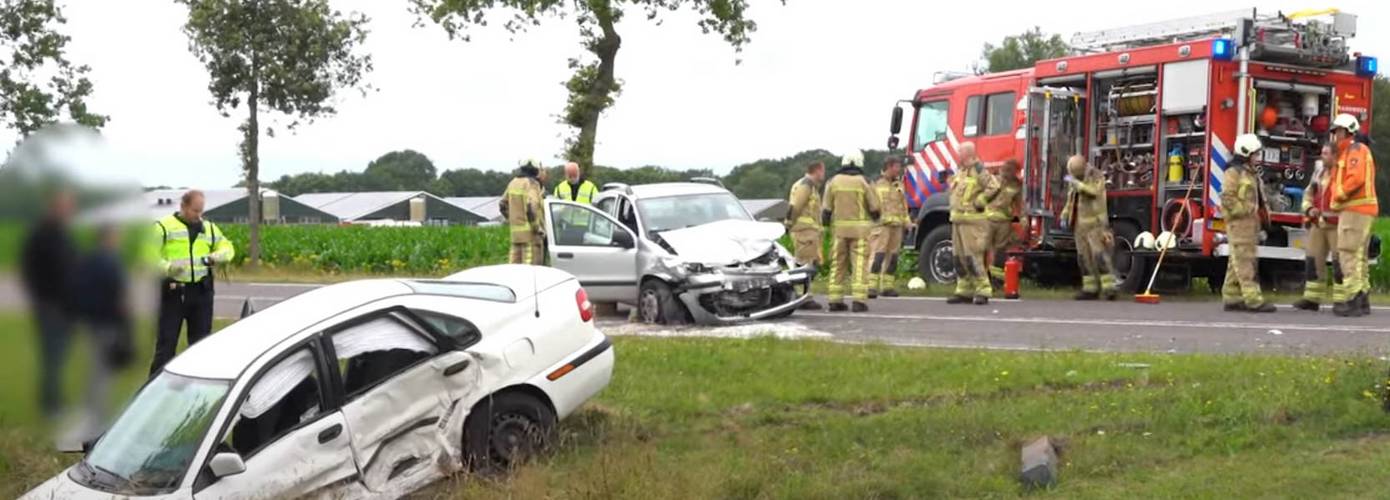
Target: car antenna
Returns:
[535, 292]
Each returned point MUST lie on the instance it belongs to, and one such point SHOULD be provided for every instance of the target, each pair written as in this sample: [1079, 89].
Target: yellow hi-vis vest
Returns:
[176, 249]
[586, 194]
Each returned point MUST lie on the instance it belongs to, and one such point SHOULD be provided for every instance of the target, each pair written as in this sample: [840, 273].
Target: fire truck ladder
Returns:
[1187, 28]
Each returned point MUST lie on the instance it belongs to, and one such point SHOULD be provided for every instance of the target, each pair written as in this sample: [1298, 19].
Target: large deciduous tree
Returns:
[38, 85]
[594, 85]
[1022, 51]
[285, 56]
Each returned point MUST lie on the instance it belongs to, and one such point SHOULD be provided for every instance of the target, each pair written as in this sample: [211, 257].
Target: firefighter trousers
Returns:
[1319, 286]
[1242, 282]
[1095, 253]
[885, 242]
[969, 242]
[1353, 231]
[527, 253]
[849, 260]
[807, 246]
[1001, 237]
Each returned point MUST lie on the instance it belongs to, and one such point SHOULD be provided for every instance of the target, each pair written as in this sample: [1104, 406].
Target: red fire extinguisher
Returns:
[1012, 267]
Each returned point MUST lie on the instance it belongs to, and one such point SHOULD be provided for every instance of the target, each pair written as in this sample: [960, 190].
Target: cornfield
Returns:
[360, 249]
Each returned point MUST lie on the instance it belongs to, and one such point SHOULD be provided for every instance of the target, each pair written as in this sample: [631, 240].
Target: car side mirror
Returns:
[623, 239]
[84, 447]
[226, 464]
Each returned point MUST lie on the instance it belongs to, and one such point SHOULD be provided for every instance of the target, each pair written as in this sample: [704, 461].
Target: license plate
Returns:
[783, 277]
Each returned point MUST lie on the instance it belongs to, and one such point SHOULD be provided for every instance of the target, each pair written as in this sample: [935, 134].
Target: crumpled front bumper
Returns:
[696, 286]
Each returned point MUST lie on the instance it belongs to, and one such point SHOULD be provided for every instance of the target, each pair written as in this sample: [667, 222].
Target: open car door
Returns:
[595, 248]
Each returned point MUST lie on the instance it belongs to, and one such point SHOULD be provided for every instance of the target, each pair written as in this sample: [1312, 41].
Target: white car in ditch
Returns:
[680, 252]
[362, 389]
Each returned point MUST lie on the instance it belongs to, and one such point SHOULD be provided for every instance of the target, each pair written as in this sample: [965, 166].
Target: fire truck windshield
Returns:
[931, 123]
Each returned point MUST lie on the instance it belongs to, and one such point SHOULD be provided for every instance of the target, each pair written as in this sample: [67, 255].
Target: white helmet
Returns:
[854, 158]
[1166, 240]
[1348, 122]
[916, 283]
[1145, 240]
[1247, 145]
[529, 162]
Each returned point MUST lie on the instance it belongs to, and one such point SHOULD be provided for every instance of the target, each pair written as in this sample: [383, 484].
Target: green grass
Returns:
[762, 418]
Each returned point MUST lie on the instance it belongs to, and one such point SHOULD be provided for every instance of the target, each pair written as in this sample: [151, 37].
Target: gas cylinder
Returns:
[1012, 268]
[1175, 169]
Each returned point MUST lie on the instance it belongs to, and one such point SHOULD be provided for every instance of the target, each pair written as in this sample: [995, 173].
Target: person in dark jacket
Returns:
[47, 259]
[100, 302]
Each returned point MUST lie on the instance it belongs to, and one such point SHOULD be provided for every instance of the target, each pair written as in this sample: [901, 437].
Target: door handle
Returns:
[330, 433]
[564, 255]
[456, 367]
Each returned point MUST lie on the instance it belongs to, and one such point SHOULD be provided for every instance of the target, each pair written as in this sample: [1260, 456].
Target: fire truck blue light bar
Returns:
[1367, 66]
[1223, 49]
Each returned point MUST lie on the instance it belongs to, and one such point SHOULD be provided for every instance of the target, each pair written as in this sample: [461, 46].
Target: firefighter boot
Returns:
[1111, 295]
[873, 293]
[810, 305]
[889, 293]
[1365, 304]
[981, 300]
[1348, 309]
[957, 299]
[858, 307]
[1233, 307]
[1263, 308]
[1306, 305]
[837, 307]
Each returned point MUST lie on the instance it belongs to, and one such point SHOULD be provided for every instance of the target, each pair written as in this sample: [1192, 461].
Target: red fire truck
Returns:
[1157, 107]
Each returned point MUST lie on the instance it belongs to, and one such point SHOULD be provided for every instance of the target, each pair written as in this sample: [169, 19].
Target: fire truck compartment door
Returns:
[1185, 86]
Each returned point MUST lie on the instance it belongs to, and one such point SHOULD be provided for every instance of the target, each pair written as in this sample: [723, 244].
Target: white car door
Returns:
[396, 398]
[593, 247]
[291, 447]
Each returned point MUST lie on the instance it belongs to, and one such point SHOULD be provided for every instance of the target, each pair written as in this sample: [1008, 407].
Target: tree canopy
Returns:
[1022, 51]
[38, 84]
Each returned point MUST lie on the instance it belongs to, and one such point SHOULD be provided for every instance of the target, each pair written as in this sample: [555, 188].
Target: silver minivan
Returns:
[679, 252]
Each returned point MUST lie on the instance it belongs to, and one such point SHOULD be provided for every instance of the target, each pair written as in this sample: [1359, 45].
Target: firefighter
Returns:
[886, 238]
[1000, 209]
[1353, 196]
[522, 206]
[803, 221]
[1085, 213]
[1321, 224]
[851, 207]
[1242, 208]
[969, 229]
[575, 187]
[186, 247]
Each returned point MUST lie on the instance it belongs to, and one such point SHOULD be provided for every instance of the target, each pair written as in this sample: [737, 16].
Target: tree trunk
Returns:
[597, 96]
[251, 163]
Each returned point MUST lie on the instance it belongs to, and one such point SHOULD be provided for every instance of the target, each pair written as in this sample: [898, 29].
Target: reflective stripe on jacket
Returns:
[804, 206]
[587, 192]
[174, 245]
[893, 200]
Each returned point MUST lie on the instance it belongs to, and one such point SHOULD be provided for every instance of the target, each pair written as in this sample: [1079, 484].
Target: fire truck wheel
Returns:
[936, 258]
[1128, 270]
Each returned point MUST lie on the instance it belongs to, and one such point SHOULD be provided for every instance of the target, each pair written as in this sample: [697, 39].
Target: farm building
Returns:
[231, 206]
[403, 206]
[484, 206]
[771, 209]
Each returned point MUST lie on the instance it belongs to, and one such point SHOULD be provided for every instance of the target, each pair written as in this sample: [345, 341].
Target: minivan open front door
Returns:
[1055, 130]
[595, 248]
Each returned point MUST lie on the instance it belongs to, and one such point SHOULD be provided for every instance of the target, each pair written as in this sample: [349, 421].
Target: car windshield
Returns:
[148, 449]
[678, 212]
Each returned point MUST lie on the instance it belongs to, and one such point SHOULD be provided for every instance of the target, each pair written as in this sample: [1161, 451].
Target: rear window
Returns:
[480, 291]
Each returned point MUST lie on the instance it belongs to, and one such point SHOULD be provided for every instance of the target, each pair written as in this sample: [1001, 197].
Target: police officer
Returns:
[522, 206]
[886, 239]
[803, 220]
[851, 207]
[1001, 206]
[575, 187]
[186, 250]
[969, 229]
[1085, 213]
[1321, 224]
[1353, 196]
[1241, 208]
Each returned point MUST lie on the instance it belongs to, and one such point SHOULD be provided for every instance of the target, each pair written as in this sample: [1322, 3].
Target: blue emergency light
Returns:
[1366, 66]
[1223, 49]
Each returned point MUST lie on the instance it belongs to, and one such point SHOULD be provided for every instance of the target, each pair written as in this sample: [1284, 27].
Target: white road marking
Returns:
[1111, 322]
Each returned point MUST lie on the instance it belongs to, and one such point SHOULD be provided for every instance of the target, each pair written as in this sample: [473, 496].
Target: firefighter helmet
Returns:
[855, 158]
[1145, 240]
[1248, 144]
[1076, 166]
[1166, 240]
[1348, 122]
[530, 162]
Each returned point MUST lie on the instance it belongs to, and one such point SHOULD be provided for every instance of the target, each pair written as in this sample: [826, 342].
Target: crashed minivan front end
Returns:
[731, 271]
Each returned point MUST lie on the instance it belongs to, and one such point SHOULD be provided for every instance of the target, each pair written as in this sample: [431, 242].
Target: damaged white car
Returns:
[363, 389]
[679, 252]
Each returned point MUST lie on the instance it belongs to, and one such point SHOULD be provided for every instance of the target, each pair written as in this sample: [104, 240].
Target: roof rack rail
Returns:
[708, 180]
[616, 186]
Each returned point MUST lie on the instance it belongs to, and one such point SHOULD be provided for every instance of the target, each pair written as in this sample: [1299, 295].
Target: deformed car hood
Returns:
[724, 242]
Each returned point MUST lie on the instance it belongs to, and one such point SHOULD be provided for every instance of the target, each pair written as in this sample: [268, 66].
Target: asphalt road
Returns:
[1179, 327]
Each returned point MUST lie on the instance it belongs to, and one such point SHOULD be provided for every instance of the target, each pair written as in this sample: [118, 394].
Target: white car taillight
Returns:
[586, 308]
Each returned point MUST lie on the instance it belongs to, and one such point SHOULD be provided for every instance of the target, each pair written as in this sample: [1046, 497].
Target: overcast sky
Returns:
[818, 74]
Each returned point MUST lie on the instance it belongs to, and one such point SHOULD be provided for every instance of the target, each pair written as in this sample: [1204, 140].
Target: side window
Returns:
[627, 214]
[931, 123]
[370, 353]
[283, 397]
[457, 328]
[1000, 108]
[581, 226]
[606, 205]
[974, 112]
